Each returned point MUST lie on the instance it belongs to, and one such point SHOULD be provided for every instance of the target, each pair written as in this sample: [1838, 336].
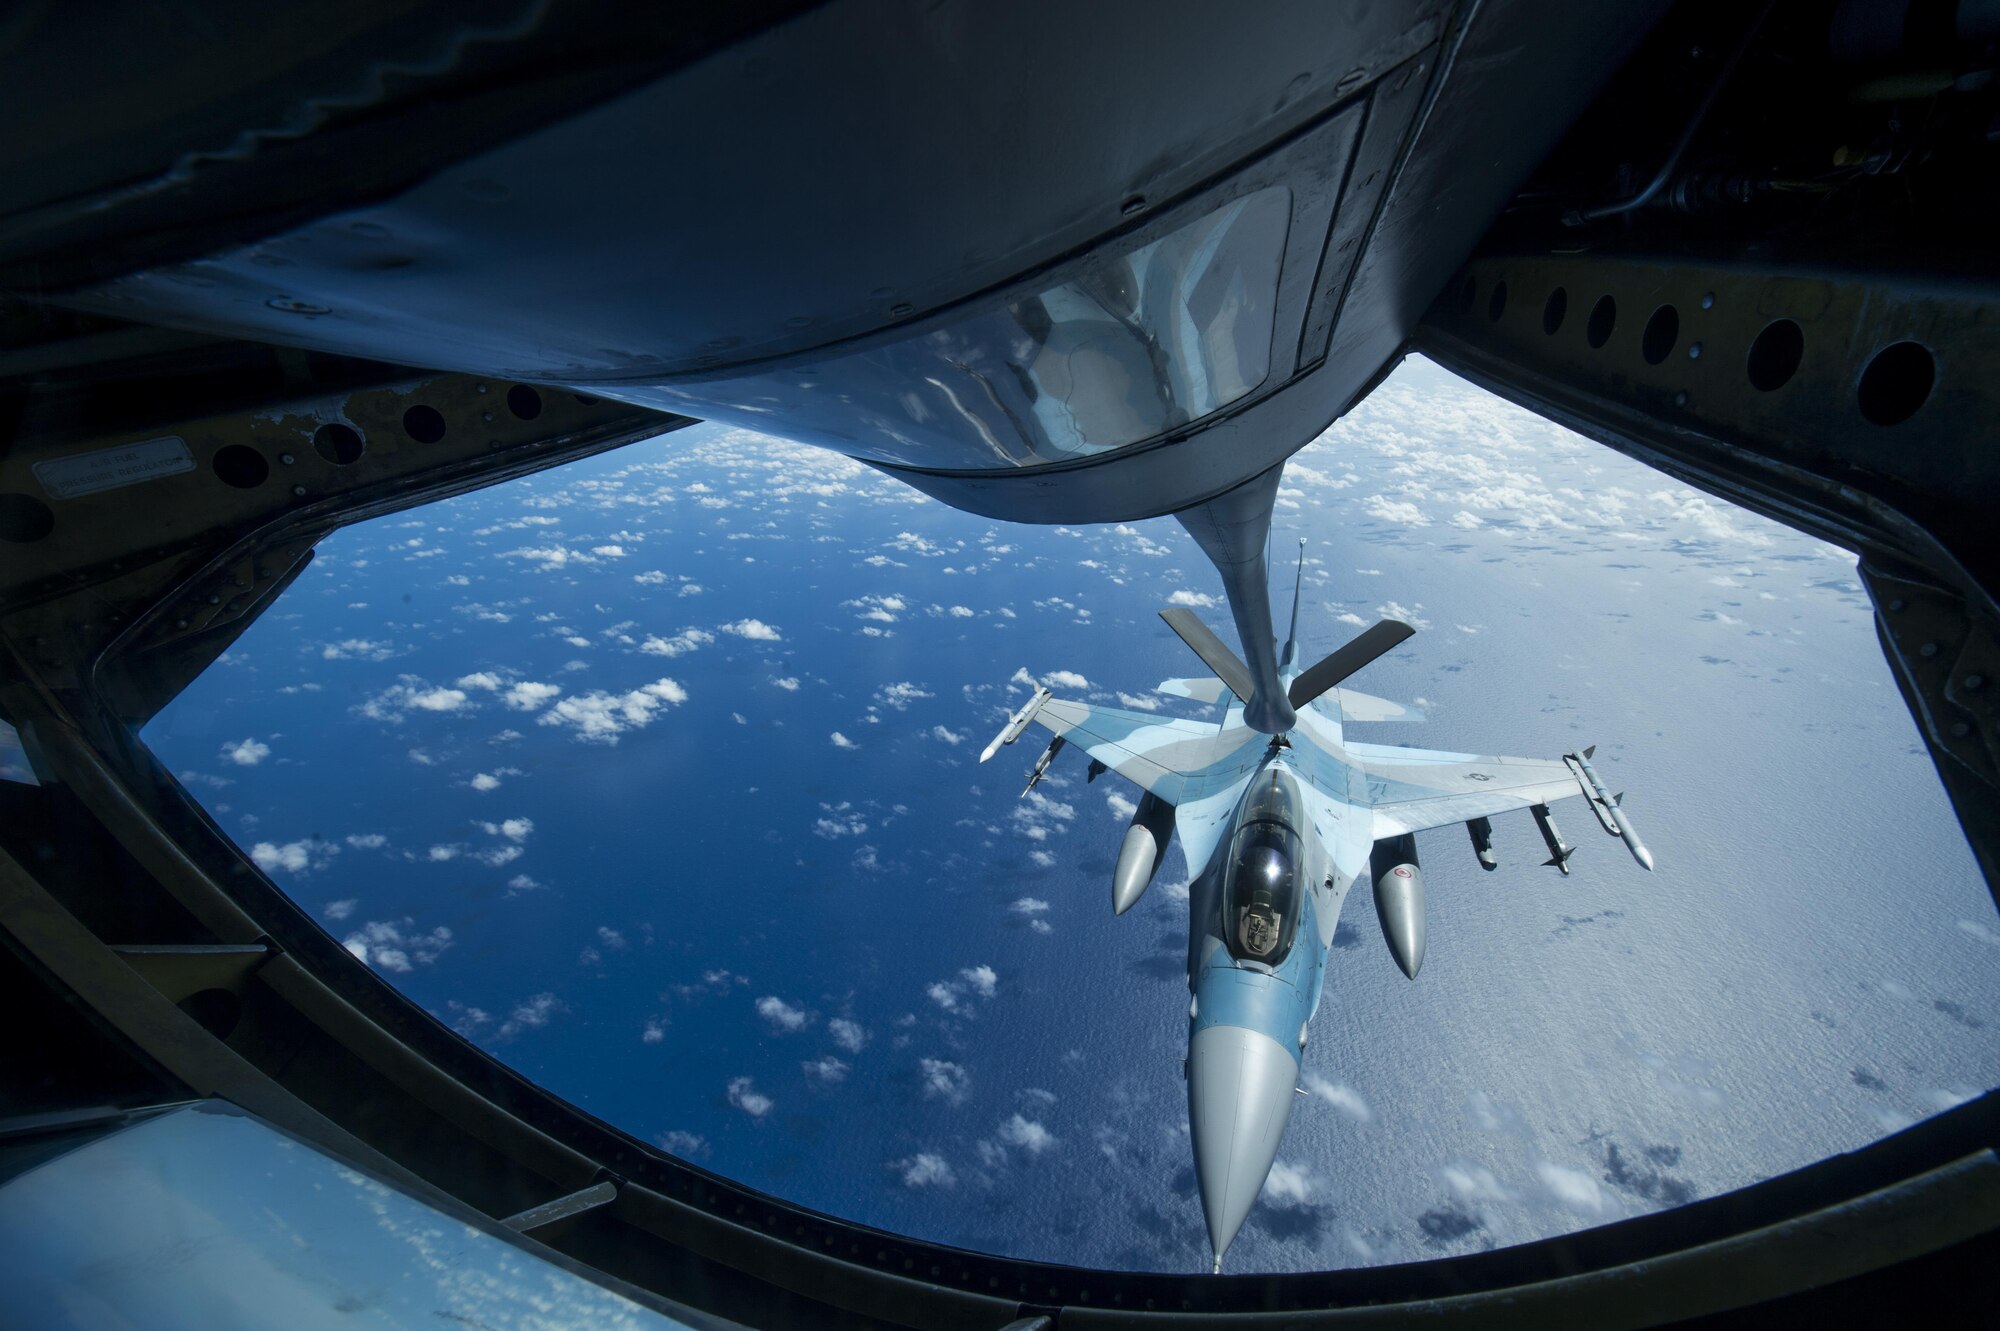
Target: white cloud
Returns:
[1399, 511]
[849, 1035]
[246, 752]
[944, 1080]
[947, 736]
[367, 840]
[841, 741]
[960, 612]
[357, 649]
[682, 1143]
[293, 856]
[530, 1014]
[601, 717]
[1193, 600]
[756, 630]
[485, 781]
[1065, 679]
[829, 1070]
[1120, 806]
[339, 910]
[480, 679]
[1025, 1134]
[528, 696]
[900, 696]
[1344, 1098]
[924, 1170]
[650, 578]
[981, 979]
[1289, 1185]
[789, 684]
[1028, 906]
[394, 945]
[747, 1098]
[654, 1032]
[1572, 1187]
[412, 694]
[679, 645]
[782, 1016]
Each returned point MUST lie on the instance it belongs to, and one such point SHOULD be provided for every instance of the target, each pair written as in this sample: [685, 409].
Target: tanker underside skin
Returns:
[1276, 829]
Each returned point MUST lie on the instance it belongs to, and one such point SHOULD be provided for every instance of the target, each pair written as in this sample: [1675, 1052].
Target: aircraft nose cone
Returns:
[1240, 1092]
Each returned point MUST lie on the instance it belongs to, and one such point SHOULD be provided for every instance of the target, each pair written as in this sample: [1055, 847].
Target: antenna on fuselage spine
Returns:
[1292, 638]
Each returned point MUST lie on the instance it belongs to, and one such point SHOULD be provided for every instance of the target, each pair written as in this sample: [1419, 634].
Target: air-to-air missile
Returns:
[1399, 900]
[1016, 723]
[1608, 807]
[1558, 853]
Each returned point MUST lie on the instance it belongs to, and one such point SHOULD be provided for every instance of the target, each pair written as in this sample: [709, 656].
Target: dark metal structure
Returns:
[268, 270]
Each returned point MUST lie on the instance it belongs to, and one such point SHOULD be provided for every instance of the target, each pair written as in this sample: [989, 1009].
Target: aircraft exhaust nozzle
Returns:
[1146, 838]
[1399, 900]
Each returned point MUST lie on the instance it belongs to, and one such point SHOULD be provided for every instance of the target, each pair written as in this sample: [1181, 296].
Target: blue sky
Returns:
[655, 776]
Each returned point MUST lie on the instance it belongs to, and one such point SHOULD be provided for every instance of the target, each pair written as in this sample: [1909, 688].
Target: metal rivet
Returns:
[1975, 682]
[1896, 604]
[479, 388]
[285, 458]
[1133, 206]
[1928, 649]
[901, 309]
[1708, 301]
[1959, 730]
[486, 416]
[299, 490]
[215, 600]
[180, 623]
[1694, 351]
[1681, 398]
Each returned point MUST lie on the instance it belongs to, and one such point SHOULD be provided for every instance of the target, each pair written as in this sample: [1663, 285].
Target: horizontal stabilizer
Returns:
[1206, 688]
[1342, 662]
[1213, 651]
[1356, 706]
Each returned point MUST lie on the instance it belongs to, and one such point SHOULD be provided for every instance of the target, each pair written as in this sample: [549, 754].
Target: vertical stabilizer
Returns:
[1231, 530]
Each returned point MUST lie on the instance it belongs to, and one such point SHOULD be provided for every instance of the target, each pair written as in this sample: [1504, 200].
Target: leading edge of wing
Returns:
[1175, 759]
[1413, 790]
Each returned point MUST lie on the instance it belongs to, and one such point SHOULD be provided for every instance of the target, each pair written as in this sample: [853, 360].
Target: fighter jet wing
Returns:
[1174, 759]
[1416, 789]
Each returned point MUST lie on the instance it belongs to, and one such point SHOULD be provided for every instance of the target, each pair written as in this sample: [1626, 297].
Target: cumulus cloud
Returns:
[367, 840]
[1289, 1185]
[782, 1016]
[746, 1097]
[924, 1170]
[1065, 679]
[1344, 1098]
[600, 718]
[900, 696]
[357, 649]
[411, 694]
[396, 945]
[246, 752]
[828, 1071]
[980, 979]
[756, 630]
[529, 696]
[849, 1035]
[943, 1080]
[1399, 511]
[1571, 1187]
[679, 645]
[293, 856]
[947, 736]
[339, 910]
[485, 781]
[841, 741]
[789, 684]
[1193, 600]
[530, 1014]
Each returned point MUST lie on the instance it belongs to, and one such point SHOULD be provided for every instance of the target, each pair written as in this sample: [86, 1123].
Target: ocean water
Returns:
[656, 777]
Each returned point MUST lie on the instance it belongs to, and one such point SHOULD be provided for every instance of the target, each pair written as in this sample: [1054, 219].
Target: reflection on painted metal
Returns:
[1126, 349]
[206, 1218]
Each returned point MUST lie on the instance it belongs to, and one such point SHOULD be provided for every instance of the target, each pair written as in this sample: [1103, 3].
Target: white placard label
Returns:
[109, 468]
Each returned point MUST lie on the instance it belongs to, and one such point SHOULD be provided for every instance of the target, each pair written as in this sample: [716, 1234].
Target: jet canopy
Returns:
[1261, 896]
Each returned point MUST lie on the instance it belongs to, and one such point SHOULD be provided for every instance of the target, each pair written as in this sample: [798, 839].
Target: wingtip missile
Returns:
[1042, 764]
[1610, 808]
[1016, 723]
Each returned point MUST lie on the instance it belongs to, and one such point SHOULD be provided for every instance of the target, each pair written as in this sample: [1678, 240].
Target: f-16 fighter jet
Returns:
[1276, 827]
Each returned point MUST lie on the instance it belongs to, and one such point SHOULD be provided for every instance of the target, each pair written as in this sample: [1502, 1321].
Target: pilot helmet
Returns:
[1260, 930]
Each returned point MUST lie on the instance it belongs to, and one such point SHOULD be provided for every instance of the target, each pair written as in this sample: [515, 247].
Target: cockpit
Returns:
[1261, 898]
